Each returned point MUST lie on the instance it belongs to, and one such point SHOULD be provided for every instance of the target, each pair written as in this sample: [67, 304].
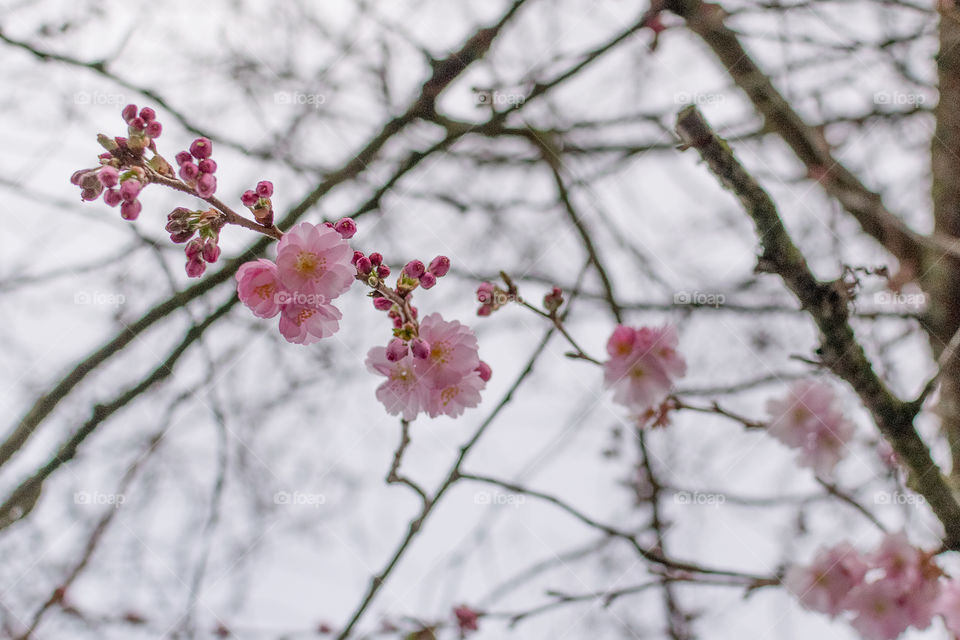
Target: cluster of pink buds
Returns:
[183, 225]
[197, 167]
[884, 592]
[121, 176]
[259, 203]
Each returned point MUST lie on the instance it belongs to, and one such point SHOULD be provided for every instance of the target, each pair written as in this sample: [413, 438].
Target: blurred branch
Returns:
[909, 247]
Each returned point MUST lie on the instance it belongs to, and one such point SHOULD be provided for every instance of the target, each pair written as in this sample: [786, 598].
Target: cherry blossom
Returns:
[643, 365]
[807, 419]
[314, 259]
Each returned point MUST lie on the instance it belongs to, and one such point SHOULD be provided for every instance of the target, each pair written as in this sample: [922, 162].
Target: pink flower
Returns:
[404, 392]
[880, 614]
[315, 260]
[453, 351]
[258, 285]
[305, 324]
[643, 366]
[807, 419]
[453, 399]
[948, 606]
[825, 584]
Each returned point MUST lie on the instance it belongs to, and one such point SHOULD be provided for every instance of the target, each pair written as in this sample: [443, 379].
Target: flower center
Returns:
[448, 394]
[303, 315]
[264, 291]
[439, 352]
[309, 264]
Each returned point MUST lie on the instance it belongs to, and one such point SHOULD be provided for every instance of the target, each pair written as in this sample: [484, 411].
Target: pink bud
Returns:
[485, 292]
[356, 256]
[346, 227]
[112, 197]
[414, 312]
[249, 198]
[77, 175]
[439, 266]
[201, 148]
[428, 280]
[179, 237]
[383, 271]
[420, 348]
[183, 158]
[154, 129]
[485, 371]
[211, 251]
[180, 213]
[485, 310]
[196, 267]
[130, 209]
[129, 112]
[130, 189]
[137, 124]
[396, 350]
[414, 269]
[108, 176]
[148, 114]
[89, 194]
[397, 322]
[189, 171]
[382, 304]
[89, 180]
[363, 265]
[553, 300]
[194, 248]
[264, 188]
[376, 259]
[206, 185]
[207, 166]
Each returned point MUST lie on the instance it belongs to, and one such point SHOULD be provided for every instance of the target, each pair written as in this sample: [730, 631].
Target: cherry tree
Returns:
[628, 321]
